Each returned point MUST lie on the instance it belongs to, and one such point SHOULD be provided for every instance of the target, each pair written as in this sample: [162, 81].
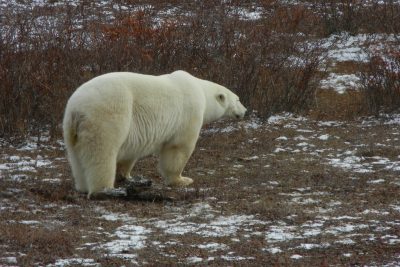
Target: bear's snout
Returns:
[240, 111]
[239, 116]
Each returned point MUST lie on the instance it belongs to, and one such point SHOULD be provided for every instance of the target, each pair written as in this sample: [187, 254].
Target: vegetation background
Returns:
[272, 61]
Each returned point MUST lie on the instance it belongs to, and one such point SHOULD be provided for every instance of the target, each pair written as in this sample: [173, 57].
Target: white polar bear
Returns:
[118, 118]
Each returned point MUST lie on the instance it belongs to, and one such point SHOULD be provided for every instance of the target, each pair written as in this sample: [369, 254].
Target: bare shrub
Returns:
[343, 15]
[356, 16]
[383, 16]
[48, 51]
[39, 66]
[380, 84]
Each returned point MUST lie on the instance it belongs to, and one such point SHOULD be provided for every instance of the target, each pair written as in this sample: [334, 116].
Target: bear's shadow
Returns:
[137, 189]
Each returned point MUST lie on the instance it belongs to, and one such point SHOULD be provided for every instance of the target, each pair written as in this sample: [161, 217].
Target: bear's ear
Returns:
[221, 98]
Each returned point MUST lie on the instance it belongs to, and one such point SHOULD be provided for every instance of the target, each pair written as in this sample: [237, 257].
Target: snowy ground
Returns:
[287, 190]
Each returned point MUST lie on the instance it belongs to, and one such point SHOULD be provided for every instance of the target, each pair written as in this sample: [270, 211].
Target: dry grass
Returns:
[333, 106]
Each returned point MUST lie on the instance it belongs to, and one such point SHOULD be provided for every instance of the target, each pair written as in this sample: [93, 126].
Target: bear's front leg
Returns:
[173, 159]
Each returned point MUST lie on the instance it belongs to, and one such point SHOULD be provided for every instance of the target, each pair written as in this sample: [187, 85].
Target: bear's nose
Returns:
[239, 116]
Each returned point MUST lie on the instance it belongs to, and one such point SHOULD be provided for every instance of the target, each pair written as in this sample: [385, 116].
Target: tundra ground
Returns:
[287, 191]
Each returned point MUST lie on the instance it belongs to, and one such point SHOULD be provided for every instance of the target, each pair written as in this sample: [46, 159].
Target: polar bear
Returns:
[115, 119]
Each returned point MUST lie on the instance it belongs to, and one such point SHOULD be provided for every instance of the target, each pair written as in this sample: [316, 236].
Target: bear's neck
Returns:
[211, 112]
[208, 117]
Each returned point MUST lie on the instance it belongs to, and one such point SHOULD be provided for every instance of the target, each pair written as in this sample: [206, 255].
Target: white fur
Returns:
[118, 118]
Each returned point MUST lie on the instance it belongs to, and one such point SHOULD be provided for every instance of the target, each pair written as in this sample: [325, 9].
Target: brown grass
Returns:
[38, 243]
[331, 105]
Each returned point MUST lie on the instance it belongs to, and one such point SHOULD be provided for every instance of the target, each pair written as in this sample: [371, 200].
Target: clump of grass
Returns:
[331, 105]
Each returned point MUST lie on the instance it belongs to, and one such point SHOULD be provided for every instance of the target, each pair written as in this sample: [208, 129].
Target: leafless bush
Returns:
[343, 15]
[47, 52]
[355, 16]
[381, 84]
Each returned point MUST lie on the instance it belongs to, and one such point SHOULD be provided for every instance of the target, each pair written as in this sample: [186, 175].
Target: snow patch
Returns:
[194, 259]
[128, 238]
[341, 82]
[377, 181]
[212, 246]
[296, 257]
[281, 233]
[74, 261]
[274, 250]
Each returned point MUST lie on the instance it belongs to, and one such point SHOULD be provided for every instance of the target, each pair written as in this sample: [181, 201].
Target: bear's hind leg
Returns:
[125, 167]
[77, 173]
[100, 174]
[99, 162]
[173, 159]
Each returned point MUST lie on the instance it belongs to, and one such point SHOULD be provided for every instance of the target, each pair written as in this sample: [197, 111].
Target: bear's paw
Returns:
[180, 182]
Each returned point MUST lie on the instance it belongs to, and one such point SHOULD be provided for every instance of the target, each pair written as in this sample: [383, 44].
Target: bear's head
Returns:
[221, 103]
[229, 104]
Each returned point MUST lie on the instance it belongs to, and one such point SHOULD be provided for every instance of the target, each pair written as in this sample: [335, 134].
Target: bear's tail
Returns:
[71, 127]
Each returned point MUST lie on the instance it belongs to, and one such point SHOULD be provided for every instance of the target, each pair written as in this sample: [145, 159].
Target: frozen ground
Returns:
[287, 190]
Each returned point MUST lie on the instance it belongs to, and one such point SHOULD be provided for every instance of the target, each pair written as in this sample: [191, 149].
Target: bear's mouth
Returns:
[238, 116]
